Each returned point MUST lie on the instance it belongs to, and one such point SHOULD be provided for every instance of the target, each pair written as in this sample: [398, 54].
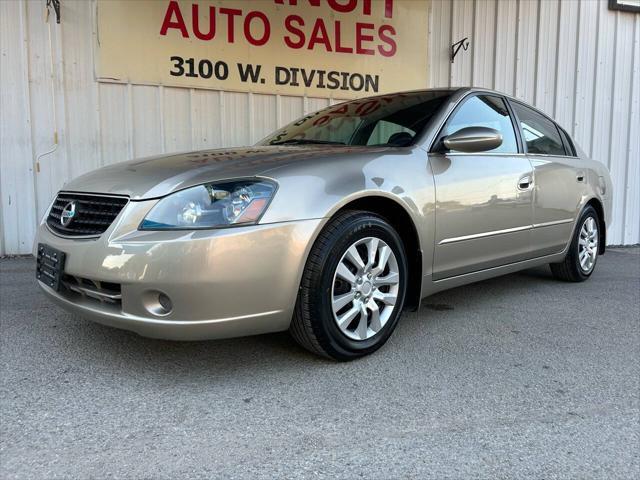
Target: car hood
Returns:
[157, 176]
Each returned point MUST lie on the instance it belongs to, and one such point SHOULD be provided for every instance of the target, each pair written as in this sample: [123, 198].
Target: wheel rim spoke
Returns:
[344, 273]
[354, 257]
[362, 328]
[342, 301]
[372, 250]
[346, 318]
[385, 297]
[385, 253]
[390, 279]
[375, 324]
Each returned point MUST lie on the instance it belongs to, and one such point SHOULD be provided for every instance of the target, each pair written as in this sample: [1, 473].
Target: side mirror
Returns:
[473, 139]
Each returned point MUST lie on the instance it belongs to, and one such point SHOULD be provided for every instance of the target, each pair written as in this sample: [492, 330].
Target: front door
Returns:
[484, 201]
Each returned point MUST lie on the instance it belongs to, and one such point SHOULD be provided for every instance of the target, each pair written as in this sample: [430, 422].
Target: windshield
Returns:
[391, 120]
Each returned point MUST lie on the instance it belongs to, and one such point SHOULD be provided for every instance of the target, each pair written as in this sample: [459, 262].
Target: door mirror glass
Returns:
[473, 139]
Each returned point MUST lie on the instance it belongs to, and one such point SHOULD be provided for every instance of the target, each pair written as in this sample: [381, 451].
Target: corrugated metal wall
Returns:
[98, 123]
[576, 60]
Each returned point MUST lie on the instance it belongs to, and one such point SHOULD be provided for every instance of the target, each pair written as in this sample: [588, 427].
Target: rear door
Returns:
[559, 182]
[483, 200]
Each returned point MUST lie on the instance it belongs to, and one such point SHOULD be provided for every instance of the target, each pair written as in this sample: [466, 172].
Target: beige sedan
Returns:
[331, 226]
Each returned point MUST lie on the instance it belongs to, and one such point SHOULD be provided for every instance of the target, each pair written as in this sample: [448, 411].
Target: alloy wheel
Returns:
[588, 244]
[365, 288]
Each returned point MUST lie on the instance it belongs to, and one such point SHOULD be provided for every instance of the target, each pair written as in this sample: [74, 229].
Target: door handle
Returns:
[525, 182]
[580, 177]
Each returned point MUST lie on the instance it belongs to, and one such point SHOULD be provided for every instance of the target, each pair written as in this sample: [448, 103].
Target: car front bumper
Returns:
[222, 283]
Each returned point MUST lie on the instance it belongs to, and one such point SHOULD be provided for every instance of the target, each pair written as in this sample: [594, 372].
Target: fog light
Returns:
[165, 302]
[157, 303]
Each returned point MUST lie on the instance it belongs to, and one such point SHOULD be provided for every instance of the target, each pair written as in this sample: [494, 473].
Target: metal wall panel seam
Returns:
[633, 149]
[473, 36]
[595, 78]
[163, 137]
[576, 75]
[131, 145]
[27, 96]
[514, 88]
[613, 88]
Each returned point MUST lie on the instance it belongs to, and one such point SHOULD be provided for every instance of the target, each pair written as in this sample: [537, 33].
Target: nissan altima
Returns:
[331, 226]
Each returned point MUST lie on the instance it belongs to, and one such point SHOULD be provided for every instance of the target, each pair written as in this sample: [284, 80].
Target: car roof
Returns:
[461, 90]
[453, 90]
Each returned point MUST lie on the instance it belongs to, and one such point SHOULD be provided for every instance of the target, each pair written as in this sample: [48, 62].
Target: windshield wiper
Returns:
[303, 141]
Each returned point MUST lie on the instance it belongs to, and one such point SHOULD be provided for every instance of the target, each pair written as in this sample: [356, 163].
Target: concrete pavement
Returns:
[517, 377]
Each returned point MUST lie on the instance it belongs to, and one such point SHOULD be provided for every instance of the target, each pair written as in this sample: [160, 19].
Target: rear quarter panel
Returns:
[559, 197]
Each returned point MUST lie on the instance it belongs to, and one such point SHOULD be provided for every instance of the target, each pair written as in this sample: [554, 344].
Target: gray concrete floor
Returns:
[516, 377]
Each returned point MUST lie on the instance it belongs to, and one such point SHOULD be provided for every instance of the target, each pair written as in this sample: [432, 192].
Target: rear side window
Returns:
[568, 143]
[539, 133]
[485, 111]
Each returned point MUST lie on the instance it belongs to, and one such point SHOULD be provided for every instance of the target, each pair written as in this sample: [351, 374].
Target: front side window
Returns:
[390, 120]
[485, 111]
[389, 132]
[539, 133]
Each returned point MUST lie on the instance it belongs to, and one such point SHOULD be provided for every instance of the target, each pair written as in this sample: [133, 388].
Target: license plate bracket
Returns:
[50, 266]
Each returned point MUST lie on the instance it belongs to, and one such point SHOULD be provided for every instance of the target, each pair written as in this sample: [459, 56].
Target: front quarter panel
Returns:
[318, 189]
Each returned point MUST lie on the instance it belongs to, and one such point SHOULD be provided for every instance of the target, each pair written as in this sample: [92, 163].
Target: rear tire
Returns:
[352, 289]
[581, 258]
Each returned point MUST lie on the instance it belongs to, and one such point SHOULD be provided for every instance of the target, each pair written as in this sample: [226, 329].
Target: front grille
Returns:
[84, 214]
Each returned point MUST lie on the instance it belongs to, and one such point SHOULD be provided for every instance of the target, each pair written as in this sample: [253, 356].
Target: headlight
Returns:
[211, 205]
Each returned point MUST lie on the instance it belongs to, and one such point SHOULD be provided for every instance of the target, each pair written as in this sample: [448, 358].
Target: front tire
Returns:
[352, 289]
[582, 256]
